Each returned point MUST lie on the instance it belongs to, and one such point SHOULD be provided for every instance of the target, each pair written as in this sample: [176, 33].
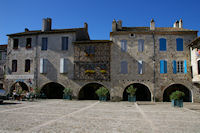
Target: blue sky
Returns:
[15, 15]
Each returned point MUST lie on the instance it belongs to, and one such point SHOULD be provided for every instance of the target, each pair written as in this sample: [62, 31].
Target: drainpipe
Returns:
[36, 63]
[154, 71]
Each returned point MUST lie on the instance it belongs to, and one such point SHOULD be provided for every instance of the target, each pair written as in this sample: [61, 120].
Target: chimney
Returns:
[119, 25]
[26, 30]
[176, 24]
[152, 25]
[180, 23]
[46, 24]
[114, 25]
[86, 26]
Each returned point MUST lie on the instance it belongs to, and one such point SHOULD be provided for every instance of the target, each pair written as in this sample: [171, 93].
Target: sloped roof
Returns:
[195, 43]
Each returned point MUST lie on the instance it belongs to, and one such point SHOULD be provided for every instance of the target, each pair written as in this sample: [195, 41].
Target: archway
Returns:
[168, 91]
[53, 90]
[87, 92]
[142, 93]
[18, 84]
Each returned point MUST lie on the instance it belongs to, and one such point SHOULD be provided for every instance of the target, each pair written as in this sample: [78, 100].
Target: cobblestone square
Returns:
[62, 116]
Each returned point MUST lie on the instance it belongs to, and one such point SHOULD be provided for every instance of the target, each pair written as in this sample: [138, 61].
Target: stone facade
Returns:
[3, 54]
[143, 61]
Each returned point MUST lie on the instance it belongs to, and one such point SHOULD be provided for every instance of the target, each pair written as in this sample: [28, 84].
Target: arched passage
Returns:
[18, 84]
[53, 90]
[168, 91]
[142, 93]
[87, 92]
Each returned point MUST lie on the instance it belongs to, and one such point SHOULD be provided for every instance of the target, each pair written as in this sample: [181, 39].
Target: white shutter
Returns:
[43, 65]
[140, 71]
[63, 65]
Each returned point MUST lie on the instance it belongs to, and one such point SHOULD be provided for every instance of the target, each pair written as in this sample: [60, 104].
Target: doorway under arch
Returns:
[87, 92]
[53, 90]
[142, 93]
[172, 88]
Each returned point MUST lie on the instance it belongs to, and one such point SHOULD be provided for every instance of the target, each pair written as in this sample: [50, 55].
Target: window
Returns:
[198, 62]
[44, 43]
[90, 50]
[28, 42]
[180, 66]
[140, 67]
[27, 65]
[64, 43]
[124, 67]
[162, 42]
[15, 44]
[2, 55]
[140, 45]
[123, 45]
[14, 65]
[43, 65]
[179, 44]
[63, 65]
[163, 66]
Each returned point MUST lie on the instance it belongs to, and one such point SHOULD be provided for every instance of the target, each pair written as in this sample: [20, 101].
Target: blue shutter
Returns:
[161, 66]
[124, 68]
[179, 44]
[44, 43]
[165, 66]
[174, 66]
[162, 44]
[185, 66]
[140, 45]
[123, 45]
[140, 70]
[64, 43]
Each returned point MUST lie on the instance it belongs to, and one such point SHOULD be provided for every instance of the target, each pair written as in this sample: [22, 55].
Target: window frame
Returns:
[67, 45]
[28, 40]
[44, 47]
[180, 66]
[141, 45]
[15, 43]
[14, 65]
[123, 45]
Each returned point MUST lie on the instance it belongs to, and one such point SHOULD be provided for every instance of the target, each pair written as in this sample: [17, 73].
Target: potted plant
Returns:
[102, 92]
[90, 71]
[67, 93]
[19, 93]
[131, 91]
[177, 98]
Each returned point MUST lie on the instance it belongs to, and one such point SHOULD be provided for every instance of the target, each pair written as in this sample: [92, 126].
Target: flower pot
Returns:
[102, 98]
[177, 103]
[68, 97]
[131, 98]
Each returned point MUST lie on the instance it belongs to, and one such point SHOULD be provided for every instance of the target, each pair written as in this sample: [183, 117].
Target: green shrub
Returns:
[177, 95]
[131, 90]
[102, 91]
[37, 91]
[67, 91]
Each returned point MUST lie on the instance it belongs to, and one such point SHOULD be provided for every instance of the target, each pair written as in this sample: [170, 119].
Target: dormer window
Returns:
[28, 42]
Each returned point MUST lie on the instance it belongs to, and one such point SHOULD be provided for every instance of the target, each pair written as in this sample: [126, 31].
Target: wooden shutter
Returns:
[63, 65]
[179, 44]
[43, 65]
[123, 45]
[162, 44]
[161, 66]
[44, 43]
[174, 66]
[64, 43]
[124, 67]
[165, 66]
[185, 66]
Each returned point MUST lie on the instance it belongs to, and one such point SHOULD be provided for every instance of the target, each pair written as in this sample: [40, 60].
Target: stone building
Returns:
[3, 53]
[156, 60]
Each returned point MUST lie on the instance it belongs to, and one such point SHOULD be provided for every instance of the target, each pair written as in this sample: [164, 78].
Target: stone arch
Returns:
[53, 90]
[173, 87]
[143, 92]
[87, 91]
[23, 85]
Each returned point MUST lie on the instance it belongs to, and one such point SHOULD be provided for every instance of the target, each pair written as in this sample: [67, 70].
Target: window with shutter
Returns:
[63, 65]
[140, 67]
[124, 67]
[179, 44]
[181, 67]
[28, 42]
[64, 43]
[44, 43]
[163, 66]
[174, 66]
[43, 65]
[15, 43]
[162, 42]
[123, 45]
[185, 66]
[27, 65]
[140, 45]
